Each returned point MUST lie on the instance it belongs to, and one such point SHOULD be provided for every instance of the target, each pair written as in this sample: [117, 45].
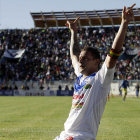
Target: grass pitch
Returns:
[42, 118]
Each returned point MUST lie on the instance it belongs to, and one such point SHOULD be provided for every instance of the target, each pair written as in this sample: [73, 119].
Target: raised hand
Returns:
[72, 25]
[127, 13]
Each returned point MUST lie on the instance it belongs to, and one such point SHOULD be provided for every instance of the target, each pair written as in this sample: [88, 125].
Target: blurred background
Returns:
[34, 44]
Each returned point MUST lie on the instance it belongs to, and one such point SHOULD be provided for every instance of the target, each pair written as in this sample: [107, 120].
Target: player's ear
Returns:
[98, 61]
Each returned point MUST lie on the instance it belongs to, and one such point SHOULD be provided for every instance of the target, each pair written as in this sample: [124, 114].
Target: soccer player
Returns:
[119, 86]
[137, 87]
[92, 85]
[125, 85]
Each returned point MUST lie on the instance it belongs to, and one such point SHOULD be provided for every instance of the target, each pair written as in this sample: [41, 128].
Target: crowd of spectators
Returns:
[47, 54]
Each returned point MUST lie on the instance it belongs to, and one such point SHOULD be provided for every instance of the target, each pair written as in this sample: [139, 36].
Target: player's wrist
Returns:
[73, 31]
[125, 22]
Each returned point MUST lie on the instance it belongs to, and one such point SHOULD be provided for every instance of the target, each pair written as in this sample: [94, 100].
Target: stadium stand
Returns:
[87, 18]
[46, 57]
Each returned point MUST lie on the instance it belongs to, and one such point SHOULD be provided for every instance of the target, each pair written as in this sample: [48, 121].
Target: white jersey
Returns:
[88, 104]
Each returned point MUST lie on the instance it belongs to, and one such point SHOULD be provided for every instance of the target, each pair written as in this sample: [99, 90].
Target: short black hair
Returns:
[94, 51]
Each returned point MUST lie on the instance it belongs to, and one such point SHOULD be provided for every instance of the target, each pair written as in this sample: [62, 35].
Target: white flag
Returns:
[13, 53]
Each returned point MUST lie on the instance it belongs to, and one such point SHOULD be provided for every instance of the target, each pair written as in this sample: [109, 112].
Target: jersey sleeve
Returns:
[76, 70]
[105, 76]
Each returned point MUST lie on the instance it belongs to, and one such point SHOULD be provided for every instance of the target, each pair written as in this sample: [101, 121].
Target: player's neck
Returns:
[88, 74]
[85, 73]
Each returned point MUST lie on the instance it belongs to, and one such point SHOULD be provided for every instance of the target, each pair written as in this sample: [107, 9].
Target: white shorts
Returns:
[68, 138]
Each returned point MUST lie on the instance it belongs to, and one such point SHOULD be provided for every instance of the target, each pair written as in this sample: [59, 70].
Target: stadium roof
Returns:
[87, 18]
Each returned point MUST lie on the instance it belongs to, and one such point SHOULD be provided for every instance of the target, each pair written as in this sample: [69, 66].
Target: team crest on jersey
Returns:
[87, 86]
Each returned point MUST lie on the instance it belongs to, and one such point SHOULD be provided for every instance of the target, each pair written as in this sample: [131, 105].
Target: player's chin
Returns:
[82, 70]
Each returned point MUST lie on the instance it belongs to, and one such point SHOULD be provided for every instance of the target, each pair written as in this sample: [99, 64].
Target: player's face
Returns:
[87, 63]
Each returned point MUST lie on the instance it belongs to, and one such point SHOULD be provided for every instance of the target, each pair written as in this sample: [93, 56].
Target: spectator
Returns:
[66, 88]
[47, 55]
[59, 87]
[137, 87]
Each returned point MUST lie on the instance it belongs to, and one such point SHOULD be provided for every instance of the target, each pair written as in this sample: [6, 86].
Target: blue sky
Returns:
[16, 13]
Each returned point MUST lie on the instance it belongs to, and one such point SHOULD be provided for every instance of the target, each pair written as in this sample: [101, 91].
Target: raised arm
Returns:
[127, 16]
[74, 47]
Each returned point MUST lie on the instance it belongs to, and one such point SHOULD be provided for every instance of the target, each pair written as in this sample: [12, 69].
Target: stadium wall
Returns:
[51, 89]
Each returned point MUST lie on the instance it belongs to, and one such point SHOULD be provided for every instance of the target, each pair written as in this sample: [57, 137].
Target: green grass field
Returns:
[42, 118]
